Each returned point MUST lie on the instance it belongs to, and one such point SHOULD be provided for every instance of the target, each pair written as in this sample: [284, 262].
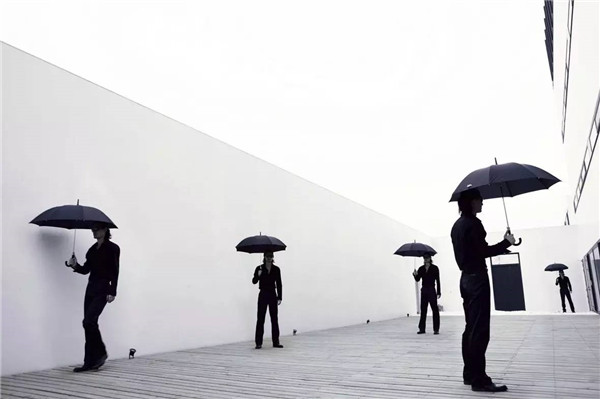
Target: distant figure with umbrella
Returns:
[565, 290]
[470, 252]
[268, 275]
[270, 295]
[429, 295]
[102, 264]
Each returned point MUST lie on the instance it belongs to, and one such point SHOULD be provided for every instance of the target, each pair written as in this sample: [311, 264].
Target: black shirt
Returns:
[429, 277]
[470, 247]
[103, 266]
[565, 284]
[269, 281]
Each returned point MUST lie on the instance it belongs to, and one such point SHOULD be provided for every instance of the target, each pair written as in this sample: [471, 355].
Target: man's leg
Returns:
[562, 300]
[260, 319]
[568, 294]
[274, 320]
[94, 347]
[436, 311]
[467, 372]
[479, 318]
[424, 304]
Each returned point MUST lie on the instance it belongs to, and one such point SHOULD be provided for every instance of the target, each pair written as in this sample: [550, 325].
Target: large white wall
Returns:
[182, 201]
[540, 247]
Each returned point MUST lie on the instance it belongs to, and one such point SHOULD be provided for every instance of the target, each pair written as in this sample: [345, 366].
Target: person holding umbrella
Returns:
[268, 275]
[565, 290]
[430, 275]
[470, 252]
[102, 264]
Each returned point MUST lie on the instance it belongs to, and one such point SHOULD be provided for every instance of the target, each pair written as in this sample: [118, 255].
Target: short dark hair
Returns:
[464, 201]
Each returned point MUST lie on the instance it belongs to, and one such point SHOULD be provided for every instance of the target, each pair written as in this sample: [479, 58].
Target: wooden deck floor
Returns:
[554, 356]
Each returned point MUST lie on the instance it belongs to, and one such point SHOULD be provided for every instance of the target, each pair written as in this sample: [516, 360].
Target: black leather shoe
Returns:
[490, 388]
[100, 362]
[467, 382]
[420, 332]
[277, 346]
[85, 367]
[436, 333]
[258, 347]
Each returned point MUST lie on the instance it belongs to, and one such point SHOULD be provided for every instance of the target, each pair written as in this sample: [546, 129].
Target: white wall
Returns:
[540, 248]
[182, 201]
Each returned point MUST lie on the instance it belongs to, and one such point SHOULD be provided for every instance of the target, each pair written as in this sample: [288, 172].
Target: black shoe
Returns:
[489, 388]
[467, 382]
[100, 362]
[436, 333]
[258, 347]
[277, 346]
[420, 332]
[85, 367]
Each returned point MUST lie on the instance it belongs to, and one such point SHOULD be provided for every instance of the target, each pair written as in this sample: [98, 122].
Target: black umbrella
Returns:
[505, 180]
[555, 267]
[73, 217]
[260, 243]
[415, 249]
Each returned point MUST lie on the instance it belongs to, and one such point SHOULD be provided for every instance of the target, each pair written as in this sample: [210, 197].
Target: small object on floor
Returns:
[489, 388]
[132, 353]
[258, 347]
[408, 314]
[295, 331]
[277, 346]
[368, 321]
[420, 332]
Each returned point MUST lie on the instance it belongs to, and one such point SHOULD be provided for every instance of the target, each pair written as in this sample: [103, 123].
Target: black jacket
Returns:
[269, 281]
[430, 277]
[470, 247]
[103, 266]
[565, 284]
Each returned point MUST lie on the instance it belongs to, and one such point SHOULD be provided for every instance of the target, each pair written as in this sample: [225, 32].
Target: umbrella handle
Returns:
[516, 244]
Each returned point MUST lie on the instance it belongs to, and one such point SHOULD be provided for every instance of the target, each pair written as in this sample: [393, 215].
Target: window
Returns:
[567, 63]
[588, 154]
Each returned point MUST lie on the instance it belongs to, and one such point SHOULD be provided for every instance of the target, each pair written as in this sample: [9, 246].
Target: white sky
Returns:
[388, 103]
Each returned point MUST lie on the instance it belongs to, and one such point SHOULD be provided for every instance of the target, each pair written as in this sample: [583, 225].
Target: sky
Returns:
[387, 103]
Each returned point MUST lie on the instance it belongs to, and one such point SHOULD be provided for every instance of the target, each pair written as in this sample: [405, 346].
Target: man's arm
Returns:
[279, 285]
[417, 275]
[437, 279]
[115, 270]
[256, 277]
[569, 284]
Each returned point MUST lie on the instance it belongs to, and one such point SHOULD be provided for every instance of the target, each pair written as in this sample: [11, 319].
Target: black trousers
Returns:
[93, 306]
[475, 291]
[267, 299]
[429, 297]
[566, 293]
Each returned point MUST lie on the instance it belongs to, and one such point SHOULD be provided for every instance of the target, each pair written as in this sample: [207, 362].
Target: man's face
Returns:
[476, 205]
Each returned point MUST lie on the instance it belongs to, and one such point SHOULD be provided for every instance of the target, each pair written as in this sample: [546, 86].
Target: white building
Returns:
[573, 44]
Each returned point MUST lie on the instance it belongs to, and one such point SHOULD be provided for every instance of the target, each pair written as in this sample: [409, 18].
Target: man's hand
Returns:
[415, 273]
[110, 298]
[439, 296]
[510, 238]
[259, 272]
[278, 302]
[72, 261]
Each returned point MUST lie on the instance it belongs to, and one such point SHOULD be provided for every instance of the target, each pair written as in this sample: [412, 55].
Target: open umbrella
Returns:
[260, 243]
[73, 217]
[505, 180]
[555, 267]
[415, 249]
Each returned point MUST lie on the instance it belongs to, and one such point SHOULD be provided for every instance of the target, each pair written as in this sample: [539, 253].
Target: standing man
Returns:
[470, 252]
[565, 290]
[430, 275]
[102, 264]
[270, 296]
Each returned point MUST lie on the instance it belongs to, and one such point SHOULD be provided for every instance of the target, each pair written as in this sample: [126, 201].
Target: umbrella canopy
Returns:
[260, 243]
[415, 249]
[73, 217]
[555, 267]
[505, 180]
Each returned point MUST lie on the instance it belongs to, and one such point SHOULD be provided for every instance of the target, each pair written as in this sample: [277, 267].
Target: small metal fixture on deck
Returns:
[132, 353]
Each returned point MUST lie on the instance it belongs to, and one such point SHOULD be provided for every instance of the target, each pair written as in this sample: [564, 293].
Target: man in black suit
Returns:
[430, 275]
[270, 296]
[565, 290]
[470, 252]
[102, 264]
